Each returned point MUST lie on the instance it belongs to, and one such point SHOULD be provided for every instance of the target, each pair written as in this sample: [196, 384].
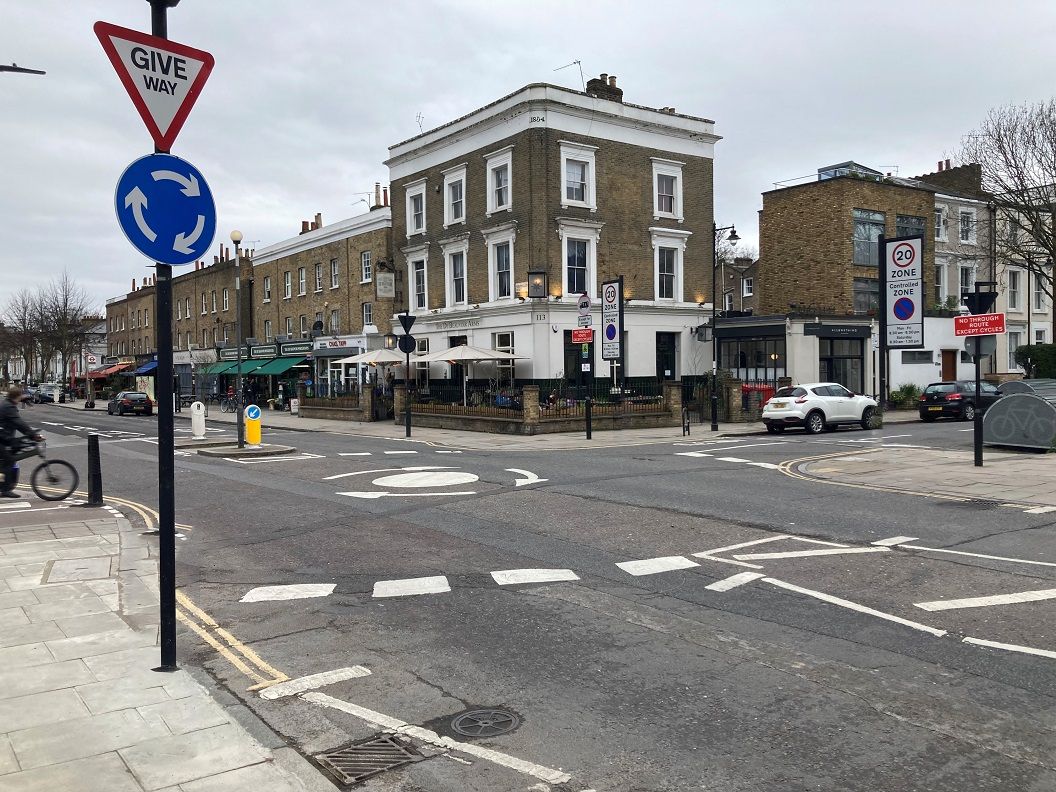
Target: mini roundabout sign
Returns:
[439, 480]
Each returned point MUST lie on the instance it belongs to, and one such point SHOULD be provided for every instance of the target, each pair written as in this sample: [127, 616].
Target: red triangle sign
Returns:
[162, 77]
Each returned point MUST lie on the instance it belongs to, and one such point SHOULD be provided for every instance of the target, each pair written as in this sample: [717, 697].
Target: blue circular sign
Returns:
[903, 308]
[610, 332]
[253, 412]
[166, 209]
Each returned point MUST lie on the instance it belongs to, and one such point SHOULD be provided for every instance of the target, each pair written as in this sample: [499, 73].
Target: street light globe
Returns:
[236, 236]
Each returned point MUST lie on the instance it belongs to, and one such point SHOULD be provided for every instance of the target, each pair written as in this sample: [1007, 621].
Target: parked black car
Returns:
[956, 399]
[130, 402]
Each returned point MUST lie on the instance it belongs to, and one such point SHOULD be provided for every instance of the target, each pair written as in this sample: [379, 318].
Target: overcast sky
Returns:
[306, 97]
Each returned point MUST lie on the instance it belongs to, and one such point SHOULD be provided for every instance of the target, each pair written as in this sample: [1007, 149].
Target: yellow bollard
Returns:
[253, 425]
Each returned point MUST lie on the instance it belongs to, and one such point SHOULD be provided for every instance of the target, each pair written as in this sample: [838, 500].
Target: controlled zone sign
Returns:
[611, 319]
[163, 78]
[166, 209]
[904, 285]
[979, 324]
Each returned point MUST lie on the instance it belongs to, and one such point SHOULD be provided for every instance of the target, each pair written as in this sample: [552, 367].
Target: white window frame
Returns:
[421, 370]
[302, 281]
[727, 301]
[971, 284]
[318, 276]
[666, 167]
[941, 220]
[1039, 335]
[585, 230]
[1037, 295]
[267, 331]
[179, 310]
[748, 287]
[214, 300]
[498, 235]
[304, 325]
[413, 256]
[205, 303]
[669, 238]
[453, 176]
[450, 250]
[289, 327]
[506, 368]
[413, 189]
[1016, 334]
[333, 322]
[287, 284]
[226, 299]
[146, 317]
[583, 153]
[1017, 303]
[367, 314]
[335, 273]
[366, 267]
[942, 279]
[494, 160]
[961, 214]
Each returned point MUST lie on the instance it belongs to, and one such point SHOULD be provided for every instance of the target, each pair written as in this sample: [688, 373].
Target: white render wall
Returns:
[938, 335]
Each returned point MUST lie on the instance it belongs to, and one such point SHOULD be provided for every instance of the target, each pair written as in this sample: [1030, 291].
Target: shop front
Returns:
[330, 376]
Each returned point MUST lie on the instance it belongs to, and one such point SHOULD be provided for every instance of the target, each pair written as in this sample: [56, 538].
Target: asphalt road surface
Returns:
[671, 616]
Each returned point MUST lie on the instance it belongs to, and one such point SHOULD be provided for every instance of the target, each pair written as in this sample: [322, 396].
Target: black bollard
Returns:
[95, 473]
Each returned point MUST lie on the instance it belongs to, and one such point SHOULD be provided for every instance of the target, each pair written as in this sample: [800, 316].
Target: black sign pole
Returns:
[881, 253]
[589, 380]
[166, 445]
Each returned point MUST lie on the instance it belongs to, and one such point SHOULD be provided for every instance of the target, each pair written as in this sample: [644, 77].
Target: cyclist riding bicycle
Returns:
[11, 424]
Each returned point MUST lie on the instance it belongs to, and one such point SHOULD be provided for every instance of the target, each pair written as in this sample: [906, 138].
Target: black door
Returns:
[666, 356]
[457, 368]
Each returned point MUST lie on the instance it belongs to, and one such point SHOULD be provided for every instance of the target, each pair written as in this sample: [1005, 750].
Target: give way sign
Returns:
[162, 77]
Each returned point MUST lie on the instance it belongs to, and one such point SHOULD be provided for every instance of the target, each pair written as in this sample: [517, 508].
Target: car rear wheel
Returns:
[968, 412]
[867, 418]
[815, 423]
[120, 410]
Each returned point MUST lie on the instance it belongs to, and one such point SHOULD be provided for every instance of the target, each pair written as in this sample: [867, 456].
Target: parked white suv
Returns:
[817, 407]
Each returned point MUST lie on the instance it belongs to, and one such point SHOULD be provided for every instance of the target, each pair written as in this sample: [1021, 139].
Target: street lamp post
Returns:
[733, 238]
[236, 237]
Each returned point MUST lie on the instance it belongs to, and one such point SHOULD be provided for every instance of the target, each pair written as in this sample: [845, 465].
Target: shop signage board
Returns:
[295, 348]
[264, 351]
[979, 324]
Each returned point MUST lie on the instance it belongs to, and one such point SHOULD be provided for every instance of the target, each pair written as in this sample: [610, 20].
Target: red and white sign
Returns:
[582, 335]
[979, 324]
[162, 77]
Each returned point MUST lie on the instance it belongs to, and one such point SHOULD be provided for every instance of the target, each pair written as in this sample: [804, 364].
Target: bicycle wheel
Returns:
[226, 405]
[54, 480]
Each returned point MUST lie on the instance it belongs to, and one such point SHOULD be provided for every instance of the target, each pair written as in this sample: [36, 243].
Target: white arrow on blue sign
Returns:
[166, 209]
[253, 412]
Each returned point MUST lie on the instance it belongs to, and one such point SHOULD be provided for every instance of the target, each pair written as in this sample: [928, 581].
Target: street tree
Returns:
[1015, 146]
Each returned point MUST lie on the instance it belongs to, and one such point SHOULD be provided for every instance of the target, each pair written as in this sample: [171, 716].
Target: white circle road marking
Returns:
[433, 478]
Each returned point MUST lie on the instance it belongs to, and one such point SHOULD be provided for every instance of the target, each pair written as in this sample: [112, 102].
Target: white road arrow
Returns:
[388, 470]
[182, 243]
[138, 201]
[530, 477]
[188, 182]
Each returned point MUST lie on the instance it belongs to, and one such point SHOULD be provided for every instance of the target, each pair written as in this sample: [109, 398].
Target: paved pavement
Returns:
[80, 706]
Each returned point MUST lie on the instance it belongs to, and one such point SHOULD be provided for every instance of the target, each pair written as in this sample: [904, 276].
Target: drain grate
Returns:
[357, 762]
[485, 723]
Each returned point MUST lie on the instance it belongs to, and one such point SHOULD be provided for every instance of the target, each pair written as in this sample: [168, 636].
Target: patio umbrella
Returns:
[375, 356]
[466, 354]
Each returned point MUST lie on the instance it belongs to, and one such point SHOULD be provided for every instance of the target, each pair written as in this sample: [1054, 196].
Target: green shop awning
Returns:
[248, 367]
[216, 368]
[279, 365]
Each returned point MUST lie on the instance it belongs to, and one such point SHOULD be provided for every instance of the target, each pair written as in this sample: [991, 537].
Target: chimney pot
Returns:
[947, 164]
[938, 167]
[612, 80]
[377, 193]
[318, 220]
[304, 227]
[604, 77]
[385, 194]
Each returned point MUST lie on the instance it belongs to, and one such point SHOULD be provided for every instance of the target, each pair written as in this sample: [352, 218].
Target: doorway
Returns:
[457, 369]
[949, 364]
[842, 360]
[666, 356]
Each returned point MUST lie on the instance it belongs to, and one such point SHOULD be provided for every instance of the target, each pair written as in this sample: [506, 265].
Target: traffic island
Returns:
[185, 444]
[234, 452]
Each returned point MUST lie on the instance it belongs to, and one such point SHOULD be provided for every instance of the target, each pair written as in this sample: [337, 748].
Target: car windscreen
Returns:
[942, 387]
[790, 392]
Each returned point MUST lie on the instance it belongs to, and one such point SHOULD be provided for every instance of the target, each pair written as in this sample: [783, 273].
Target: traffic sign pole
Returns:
[166, 441]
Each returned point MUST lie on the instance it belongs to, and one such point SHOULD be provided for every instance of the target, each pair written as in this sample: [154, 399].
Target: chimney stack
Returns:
[604, 87]
[938, 167]
[947, 164]
[318, 220]
[377, 194]
[304, 227]
[133, 284]
[385, 194]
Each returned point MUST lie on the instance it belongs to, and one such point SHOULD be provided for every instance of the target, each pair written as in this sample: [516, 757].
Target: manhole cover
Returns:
[485, 723]
[361, 761]
[974, 504]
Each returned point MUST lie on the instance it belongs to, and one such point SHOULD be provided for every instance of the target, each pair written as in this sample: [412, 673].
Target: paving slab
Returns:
[124, 693]
[185, 715]
[17, 682]
[29, 654]
[166, 761]
[258, 776]
[82, 737]
[105, 773]
[99, 643]
[70, 569]
[52, 706]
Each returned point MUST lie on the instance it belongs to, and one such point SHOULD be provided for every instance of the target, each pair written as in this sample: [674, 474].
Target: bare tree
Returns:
[1016, 149]
[20, 318]
[66, 304]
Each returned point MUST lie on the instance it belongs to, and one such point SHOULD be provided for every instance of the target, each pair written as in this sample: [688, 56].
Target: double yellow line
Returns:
[201, 623]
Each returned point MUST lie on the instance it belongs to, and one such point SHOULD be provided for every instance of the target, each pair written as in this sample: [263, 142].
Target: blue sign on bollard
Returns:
[166, 209]
[253, 412]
